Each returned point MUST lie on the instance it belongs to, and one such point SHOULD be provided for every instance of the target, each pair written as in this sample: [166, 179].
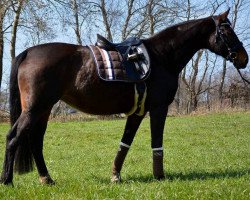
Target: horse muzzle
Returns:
[239, 58]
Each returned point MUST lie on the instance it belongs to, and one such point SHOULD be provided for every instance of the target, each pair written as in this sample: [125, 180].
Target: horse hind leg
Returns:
[37, 149]
[17, 149]
[25, 142]
[132, 125]
[7, 173]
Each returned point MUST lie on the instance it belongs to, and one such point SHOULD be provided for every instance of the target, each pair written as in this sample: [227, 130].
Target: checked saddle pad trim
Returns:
[111, 66]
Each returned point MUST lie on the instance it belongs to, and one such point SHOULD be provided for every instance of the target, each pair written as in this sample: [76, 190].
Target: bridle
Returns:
[232, 54]
[232, 50]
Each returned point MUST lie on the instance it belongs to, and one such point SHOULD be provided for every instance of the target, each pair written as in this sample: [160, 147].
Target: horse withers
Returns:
[45, 74]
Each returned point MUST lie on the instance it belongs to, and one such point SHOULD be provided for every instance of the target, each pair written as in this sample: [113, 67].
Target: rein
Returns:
[244, 79]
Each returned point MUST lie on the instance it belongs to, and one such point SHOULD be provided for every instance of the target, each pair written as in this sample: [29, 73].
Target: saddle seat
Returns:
[103, 43]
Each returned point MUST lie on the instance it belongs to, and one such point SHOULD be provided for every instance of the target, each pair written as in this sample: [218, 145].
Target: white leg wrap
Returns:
[125, 145]
[158, 149]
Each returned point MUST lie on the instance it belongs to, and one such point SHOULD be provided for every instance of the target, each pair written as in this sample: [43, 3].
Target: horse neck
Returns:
[175, 46]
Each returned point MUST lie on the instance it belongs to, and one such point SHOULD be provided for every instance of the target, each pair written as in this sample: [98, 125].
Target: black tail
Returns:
[23, 156]
[15, 103]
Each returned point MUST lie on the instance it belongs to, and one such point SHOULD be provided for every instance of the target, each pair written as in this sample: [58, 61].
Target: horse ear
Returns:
[223, 16]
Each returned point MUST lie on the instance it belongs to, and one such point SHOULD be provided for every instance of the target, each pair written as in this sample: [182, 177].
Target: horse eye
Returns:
[222, 30]
[233, 55]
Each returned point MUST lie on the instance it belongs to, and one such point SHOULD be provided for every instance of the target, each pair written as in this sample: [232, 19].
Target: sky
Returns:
[66, 37]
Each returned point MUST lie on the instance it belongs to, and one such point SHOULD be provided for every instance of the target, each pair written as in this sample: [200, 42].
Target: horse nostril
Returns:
[246, 60]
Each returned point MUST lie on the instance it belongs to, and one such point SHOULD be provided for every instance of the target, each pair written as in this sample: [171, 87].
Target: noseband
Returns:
[232, 54]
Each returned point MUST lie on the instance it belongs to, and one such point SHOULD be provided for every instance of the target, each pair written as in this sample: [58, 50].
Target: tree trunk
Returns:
[77, 26]
[151, 17]
[1, 41]
[129, 15]
[209, 85]
[194, 92]
[222, 82]
[14, 29]
[177, 97]
[4, 6]
[1, 49]
[105, 20]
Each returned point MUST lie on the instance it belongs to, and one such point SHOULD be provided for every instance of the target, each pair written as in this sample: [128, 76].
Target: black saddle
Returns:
[133, 54]
[103, 43]
[124, 48]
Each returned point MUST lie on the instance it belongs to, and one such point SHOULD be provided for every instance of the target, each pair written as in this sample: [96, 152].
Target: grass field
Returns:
[206, 157]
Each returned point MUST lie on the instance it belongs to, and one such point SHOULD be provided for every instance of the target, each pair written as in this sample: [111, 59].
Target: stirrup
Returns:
[135, 57]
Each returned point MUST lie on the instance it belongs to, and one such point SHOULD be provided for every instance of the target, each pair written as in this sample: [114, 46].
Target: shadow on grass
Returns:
[207, 175]
[181, 176]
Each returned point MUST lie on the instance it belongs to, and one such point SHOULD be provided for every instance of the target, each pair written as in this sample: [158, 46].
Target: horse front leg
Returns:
[157, 122]
[132, 125]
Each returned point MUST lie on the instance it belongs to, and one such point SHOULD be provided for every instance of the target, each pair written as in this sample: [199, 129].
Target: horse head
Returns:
[224, 41]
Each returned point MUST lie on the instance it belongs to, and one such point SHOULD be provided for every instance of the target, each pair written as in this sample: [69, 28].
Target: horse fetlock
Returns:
[116, 177]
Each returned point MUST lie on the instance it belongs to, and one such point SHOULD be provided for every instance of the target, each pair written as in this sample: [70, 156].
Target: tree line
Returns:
[207, 81]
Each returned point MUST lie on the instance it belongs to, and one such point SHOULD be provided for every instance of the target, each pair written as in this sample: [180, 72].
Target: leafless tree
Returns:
[77, 15]
[17, 10]
[4, 7]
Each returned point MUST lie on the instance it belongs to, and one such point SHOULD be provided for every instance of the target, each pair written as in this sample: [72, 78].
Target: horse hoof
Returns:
[116, 178]
[8, 183]
[160, 177]
[46, 180]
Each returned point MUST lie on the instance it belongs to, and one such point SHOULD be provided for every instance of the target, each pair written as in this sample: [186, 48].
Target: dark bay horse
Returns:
[44, 74]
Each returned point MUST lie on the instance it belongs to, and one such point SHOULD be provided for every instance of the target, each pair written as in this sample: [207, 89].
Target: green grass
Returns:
[206, 157]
